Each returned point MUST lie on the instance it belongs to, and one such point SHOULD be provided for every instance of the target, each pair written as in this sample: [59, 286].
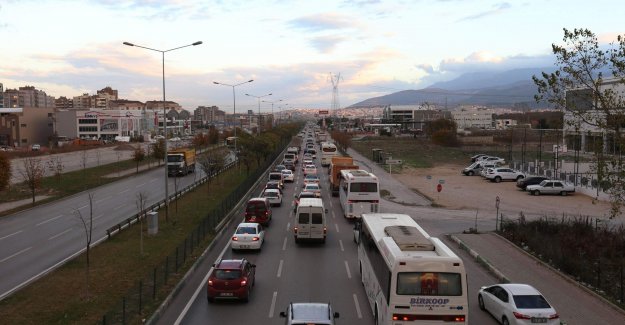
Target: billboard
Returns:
[323, 112]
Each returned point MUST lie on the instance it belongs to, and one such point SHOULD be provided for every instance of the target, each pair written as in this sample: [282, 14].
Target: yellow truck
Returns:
[336, 165]
[180, 162]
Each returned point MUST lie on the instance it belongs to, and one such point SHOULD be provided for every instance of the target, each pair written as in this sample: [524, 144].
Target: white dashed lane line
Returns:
[357, 304]
[12, 256]
[341, 243]
[60, 234]
[284, 244]
[9, 235]
[273, 304]
[337, 227]
[349, 274]
[280, 268]
[51, 219]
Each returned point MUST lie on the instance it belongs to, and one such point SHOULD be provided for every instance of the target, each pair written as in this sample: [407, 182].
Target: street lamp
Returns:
[164, 114]
[266, 101]
[234, 108]
[258, 97]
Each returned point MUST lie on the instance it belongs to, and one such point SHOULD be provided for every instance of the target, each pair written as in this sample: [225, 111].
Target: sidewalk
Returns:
[575, 304]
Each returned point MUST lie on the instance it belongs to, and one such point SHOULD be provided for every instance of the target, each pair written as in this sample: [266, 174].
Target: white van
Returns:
[310, 220]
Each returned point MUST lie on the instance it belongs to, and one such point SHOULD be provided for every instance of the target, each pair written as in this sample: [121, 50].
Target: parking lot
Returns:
[474, 192]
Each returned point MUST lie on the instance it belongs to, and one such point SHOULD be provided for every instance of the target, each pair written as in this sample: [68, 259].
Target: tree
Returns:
[141, 202]
[200, 140]
[5, 171]
[442, 132]
[32, 173]
[87, 223]
[55, 165]
[213, 135]
[211, 162]
[158, 151]
[138, 156]
[588, 84]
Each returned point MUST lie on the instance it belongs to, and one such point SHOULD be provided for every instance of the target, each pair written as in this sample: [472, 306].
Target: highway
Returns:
[287, 272]
[39, 239]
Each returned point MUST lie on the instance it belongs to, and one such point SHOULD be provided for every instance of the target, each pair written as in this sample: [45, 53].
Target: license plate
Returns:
[539, 320]
[245, 246]
[226, 294]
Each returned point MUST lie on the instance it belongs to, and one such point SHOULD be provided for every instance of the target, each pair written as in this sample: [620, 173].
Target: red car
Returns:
[258, 210]
[231, 279]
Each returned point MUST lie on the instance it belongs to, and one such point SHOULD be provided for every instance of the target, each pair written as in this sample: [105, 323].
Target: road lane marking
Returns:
[104, 199]
[357, 306]
[337, 227]
[331, 205]
[61, 234]
[124, 191]
[44, 222]
[288, 226]
[341, 243]
[7, 236]
[142, 184]
[98, 217]
[333, 215]
[284, 244]
[118, 207]
[201, 287]
[18, 253]
[82, 207]
[280, 268]
[349, 274]
[273, 304]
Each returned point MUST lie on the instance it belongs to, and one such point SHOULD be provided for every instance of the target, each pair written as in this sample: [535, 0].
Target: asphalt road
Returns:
[328, 272]
[37, 240]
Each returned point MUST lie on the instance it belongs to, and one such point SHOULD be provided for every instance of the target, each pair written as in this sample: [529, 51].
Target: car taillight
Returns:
[243, 282]
[256, 239]
[210, 282]
[234, 238]
[521, 316]
[295, 229]
[325, 230]
[554, 316]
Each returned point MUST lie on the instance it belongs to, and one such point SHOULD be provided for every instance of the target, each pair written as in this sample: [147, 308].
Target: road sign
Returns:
[393, 161]
[323, 112]
[441, 181]
[439, 188]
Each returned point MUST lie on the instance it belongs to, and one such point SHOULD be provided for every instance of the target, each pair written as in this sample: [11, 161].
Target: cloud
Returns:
[497, 9]
[425, 67]
[168, 10]
[326, 44]
[323, 22]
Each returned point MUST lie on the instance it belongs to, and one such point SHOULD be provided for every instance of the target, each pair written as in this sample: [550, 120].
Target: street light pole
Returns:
[234, 108]
[164, 114]
[258, 97]
[272, 118]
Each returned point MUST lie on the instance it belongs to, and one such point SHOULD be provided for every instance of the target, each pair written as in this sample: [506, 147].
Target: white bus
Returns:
[328, 150]
[409, 277]
[359, 192]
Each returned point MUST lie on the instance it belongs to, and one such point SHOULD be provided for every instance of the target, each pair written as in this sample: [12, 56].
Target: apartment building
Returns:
[25, 126]
[27, 96]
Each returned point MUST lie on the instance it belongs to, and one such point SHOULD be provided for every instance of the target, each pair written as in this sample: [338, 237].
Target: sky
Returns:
[291, 49]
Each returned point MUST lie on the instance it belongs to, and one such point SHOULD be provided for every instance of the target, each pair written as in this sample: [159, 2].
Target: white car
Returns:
[310, 169]
[514, 303]
[287, 175]
[492, 160]
[273, 196]
[551, 187]
[310, 179]
[315, 188]
[499, 174]
[248, 235]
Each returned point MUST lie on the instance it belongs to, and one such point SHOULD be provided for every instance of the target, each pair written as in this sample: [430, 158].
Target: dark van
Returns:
[258, 210]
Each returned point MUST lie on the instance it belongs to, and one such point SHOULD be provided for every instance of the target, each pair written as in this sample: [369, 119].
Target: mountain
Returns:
[510, 88]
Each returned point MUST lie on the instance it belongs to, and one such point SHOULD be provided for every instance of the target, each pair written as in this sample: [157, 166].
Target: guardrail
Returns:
[136, 217]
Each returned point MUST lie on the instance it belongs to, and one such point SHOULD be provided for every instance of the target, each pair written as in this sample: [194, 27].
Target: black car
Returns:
[289, 165]
[533, 180]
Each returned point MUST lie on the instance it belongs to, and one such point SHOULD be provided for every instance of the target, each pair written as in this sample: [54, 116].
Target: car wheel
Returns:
[470, 173]
[563, 193]
[247, 295]
[504, 321]
[519, 177]
[480, 302]
[210, 300]
[536, 192]
[497, 179]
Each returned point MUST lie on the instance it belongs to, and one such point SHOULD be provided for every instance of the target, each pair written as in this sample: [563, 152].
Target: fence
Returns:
[586, 248]
[146, 290]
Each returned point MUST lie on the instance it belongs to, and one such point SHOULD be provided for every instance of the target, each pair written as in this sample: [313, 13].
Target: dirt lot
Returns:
[474, 192]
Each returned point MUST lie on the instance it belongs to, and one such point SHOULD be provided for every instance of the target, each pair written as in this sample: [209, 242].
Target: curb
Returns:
[481, 260]
[219, 228]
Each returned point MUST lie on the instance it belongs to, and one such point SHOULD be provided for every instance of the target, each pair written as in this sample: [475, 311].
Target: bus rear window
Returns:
[429, 284]
[363, 188]
[328, 149]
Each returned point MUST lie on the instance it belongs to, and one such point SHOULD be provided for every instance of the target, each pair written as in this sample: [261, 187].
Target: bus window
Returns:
[429, 284]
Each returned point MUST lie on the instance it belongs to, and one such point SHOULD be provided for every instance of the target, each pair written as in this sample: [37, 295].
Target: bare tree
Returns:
[138, 156]
[84, 156]
[5, 171]
[32, 173]
[98, 156]
[87, 223]
[141, 202]
[55, 165]
[158, 151]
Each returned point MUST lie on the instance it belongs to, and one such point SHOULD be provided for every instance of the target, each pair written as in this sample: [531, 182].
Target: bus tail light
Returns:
[444, 318]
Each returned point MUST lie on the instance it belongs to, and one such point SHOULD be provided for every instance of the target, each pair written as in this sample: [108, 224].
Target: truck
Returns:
[336, 165]
[180, 162]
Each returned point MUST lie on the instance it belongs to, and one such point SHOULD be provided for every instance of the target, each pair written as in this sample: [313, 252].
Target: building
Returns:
[126, 104]
[82, 102]
[63, 103]
[413, 117]
[209, 115]
[104, 124]
[27, 96]
[1, 95]
[474, 119]
[25, 126]
[158, 105]
[503, 124]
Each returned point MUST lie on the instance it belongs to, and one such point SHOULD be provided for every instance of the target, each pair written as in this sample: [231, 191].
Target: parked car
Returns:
[490, 159]
[532, 180]
[309, 313]
[476, 168]
[310, 169]
[35, 147]
[258, 210]
[288, 176]
[499, 174]
[476, 157]
[551, 187]
[249, 235]
[231, 279]
[274, 196]
[513, 303]
[315, 188]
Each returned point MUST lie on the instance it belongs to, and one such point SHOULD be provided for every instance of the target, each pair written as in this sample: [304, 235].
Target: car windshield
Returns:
[271, 194]
[531, 302]
[312, 187]
[255, 207]
[246, 230]
[227, 274]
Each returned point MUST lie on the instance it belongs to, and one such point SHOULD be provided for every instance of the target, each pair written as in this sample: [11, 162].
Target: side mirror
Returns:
[253, 265]
[282, 314]
[326, 210]
[336, 315]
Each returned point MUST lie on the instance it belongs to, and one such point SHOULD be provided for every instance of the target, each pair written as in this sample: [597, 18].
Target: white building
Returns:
[104, 124]
[474, 118]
